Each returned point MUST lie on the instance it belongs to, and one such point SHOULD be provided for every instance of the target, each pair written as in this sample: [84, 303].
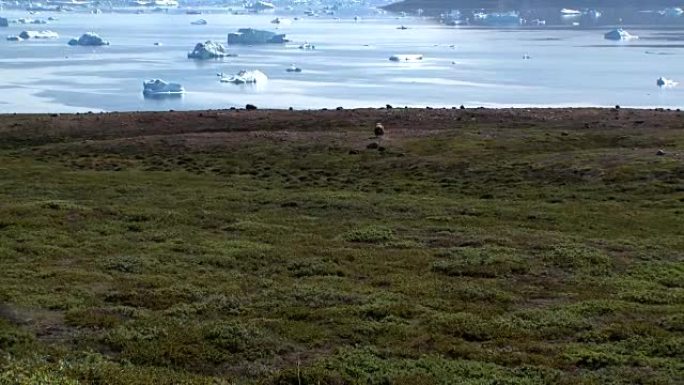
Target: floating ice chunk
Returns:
[619, 34]
[158, 87]
[406, 57]
[260, 6]
[666, 83]
[199, 22]
[497, 18]
[89, 39]
[31, 21]
[280, 21]
[38, 35]
[570, 12]
[593, 13]
[209, 50]
[254, 36]
[14, 38]
[672, 12]
[293, 68]
[245, 77]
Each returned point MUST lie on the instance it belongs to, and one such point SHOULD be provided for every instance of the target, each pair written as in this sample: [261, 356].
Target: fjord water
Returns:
[349, 67]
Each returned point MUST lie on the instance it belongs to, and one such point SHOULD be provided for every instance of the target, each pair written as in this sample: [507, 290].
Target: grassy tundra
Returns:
[264, 247]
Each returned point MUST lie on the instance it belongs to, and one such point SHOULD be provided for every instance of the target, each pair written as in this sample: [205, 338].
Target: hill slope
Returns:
[275, 248]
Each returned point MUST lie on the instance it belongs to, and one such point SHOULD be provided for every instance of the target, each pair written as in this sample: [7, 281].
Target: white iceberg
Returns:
[672, 12]
[158, 87]
[89, 39]
[570, 12]
[245, 77]
[293, 68]
[666, 83]
[619, 34]
[209, 50]
[31, 21]
[280, 21]
[14, 38]
[260, 6]
[199, 22]
[406, 57]
[26, 35]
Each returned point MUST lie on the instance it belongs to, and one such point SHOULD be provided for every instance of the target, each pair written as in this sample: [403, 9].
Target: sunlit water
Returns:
[349, 67]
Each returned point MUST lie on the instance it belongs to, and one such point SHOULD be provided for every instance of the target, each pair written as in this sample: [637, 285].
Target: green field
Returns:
[472, 247]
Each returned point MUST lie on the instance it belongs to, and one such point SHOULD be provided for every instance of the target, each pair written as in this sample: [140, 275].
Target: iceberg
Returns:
[209, 50]
[494, 19]
[619, 34]
[594, 13]
[406, 57]
[260, 6]
[13, 38]
[250, 36]
[293, 68]
[89, 39]
[158, 87]
[38, 35]
[672, 12]
[4, 22]
[31, 21]
[165, 3]
[199, 22]
[245, 77]
[570, 12]
[278, 20]
[666, 83]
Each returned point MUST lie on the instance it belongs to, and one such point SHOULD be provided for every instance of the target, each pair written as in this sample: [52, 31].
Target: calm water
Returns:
[349, 67]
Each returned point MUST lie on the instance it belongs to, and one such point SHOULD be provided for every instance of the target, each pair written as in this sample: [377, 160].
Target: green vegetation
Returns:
[475, 249]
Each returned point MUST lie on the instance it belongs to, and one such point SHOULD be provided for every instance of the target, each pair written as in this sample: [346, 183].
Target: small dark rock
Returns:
[353, 152]
[232, 108]
[250, 107]
[289, 204]
[372, 146]
[381, 149]
[339, 108]
[660, 153]
[564, 133]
